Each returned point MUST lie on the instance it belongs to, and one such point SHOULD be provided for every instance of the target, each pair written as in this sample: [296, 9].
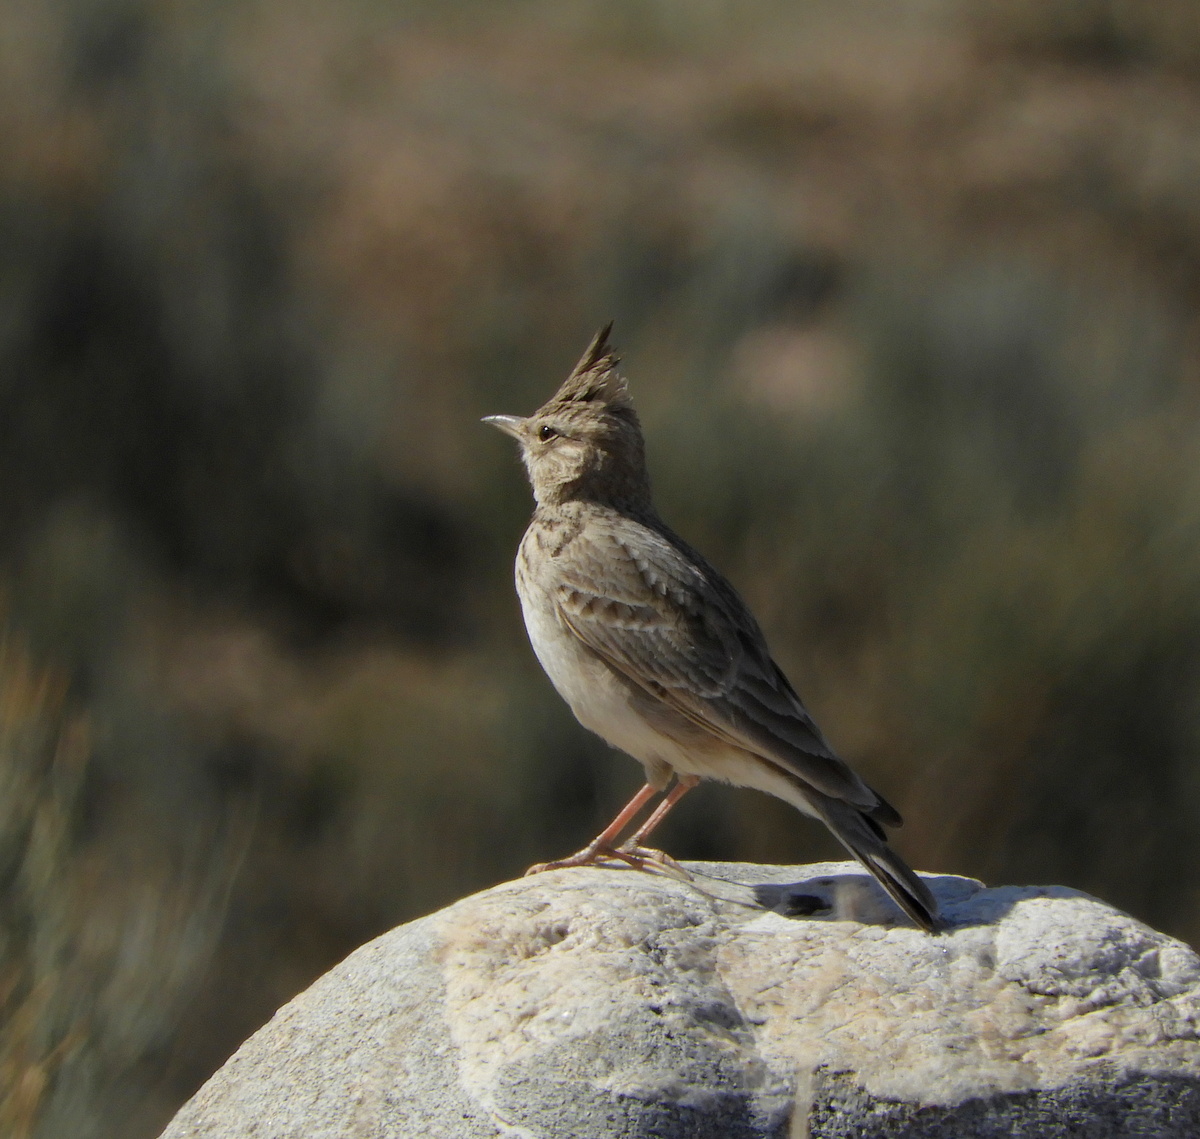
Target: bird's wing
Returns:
[661, 616]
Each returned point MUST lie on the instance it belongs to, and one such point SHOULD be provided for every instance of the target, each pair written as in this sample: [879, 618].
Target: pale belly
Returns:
[599, 698]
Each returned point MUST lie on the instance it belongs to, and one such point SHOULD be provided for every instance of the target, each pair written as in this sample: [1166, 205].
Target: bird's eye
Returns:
[546, 433]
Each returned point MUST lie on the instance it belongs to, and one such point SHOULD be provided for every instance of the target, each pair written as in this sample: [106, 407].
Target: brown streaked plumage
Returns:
[654, 650]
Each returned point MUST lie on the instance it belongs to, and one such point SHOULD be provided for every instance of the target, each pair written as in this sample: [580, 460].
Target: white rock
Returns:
[589, 1004]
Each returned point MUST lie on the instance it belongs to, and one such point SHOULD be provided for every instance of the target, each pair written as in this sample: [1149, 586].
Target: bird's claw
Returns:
[651, 859]
[638, 857]
[589, 856]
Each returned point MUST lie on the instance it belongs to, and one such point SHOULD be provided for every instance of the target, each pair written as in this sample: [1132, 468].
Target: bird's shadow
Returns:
[846, 893]
[856, 897]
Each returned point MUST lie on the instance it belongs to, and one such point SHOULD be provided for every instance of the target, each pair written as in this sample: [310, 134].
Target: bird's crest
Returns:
[595, 378]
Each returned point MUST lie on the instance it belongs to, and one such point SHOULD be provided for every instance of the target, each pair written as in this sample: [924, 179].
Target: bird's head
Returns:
[585, 443]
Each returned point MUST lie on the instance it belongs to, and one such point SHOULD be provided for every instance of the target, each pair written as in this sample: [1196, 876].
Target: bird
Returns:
[655, 651]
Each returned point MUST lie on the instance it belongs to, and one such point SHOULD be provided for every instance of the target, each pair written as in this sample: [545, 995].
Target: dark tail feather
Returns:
[856, 834]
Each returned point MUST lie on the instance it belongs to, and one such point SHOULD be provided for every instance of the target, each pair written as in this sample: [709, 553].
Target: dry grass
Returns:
[43, 758]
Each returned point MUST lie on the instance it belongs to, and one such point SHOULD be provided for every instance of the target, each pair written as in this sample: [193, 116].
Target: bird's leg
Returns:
[634, 848]
[682, 786]
[602, 845]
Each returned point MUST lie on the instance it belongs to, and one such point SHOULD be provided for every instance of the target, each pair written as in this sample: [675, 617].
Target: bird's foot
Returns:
[639, 857]
[591, 855]
[652, 860]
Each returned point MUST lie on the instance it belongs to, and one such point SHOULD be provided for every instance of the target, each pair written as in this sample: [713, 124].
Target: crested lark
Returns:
[654, 650]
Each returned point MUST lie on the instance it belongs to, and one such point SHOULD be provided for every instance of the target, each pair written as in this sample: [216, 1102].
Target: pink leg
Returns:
[607, 836]
[682, 786]
[602, 845]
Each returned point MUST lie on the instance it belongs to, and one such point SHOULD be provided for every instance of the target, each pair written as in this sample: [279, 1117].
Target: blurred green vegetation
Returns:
[907, 297]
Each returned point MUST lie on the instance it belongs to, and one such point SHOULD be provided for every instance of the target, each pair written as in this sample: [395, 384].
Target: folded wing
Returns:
[660, 615]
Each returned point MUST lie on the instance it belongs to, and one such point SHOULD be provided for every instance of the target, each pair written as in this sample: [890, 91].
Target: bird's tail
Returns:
[865, 840]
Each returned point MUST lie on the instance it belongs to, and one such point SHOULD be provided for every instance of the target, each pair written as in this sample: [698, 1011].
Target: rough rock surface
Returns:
[759, 1001]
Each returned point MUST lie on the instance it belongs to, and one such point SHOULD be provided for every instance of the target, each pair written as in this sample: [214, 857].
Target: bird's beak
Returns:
[509, 424]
